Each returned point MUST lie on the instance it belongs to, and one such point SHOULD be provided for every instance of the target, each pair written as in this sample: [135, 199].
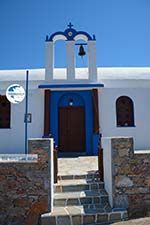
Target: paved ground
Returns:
[77, 165]
[141, 221]
[85, 165]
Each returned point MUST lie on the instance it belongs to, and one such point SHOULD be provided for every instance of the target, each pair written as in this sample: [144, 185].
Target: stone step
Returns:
[78, 215]
[87, 176]
[89, 198]
[77, 185]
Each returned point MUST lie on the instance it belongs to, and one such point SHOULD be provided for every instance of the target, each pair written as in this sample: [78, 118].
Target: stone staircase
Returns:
[81, 200]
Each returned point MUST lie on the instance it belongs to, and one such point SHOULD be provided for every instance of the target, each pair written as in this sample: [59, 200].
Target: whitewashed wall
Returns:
[107, 110]
[12, 140]
[107, 165]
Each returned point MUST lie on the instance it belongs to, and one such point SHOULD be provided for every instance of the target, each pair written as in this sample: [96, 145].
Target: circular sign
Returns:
[15, 93]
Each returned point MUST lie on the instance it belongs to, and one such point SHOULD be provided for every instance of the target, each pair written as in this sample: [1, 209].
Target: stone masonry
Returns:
[131, 177]
[79, 195]
[24, 187]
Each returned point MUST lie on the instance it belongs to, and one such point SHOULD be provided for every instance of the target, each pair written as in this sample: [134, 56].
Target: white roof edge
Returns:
[104, 73]
[20, 74]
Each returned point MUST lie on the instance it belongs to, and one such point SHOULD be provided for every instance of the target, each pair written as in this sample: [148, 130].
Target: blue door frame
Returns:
[62, 98]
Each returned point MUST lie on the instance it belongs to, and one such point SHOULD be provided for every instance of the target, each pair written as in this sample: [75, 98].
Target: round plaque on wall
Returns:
[15, 93]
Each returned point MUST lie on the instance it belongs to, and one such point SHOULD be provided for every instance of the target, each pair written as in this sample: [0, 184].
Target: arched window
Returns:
[124, 112]
[4, 112]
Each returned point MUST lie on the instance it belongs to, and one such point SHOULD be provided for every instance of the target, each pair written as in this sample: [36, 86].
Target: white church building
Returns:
[76, 106]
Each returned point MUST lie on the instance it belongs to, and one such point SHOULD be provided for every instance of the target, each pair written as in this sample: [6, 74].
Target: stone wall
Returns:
[24, 186]
[130, 177]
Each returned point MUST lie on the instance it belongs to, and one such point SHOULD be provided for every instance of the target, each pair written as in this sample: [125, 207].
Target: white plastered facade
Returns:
[131, 82]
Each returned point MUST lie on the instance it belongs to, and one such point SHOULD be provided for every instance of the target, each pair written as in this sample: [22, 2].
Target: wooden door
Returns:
[72, 129]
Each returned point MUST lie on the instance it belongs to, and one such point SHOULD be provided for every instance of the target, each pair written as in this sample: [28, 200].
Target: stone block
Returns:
[96, 200]
[123, 181]
[57, 188]
[123, 152]
[94, 186]
[124, 216]
[59, 202]
[88, 219]
[63, 220]
[101, 185]
[99, 207]
[144, 190]
[73, 201]
[121, 201]
[22, 202]
[90, 176]
[102, 217]
[75, 210]
[113, 217]
[104, 199]
[76, 220]
[32, 218]
[90, 206]
[66, 177]
[86, 200]
[108, 209]
[137, 212]
[79, 176]
[147, 181]
[47, 219]
[147, 203]
[80, 187]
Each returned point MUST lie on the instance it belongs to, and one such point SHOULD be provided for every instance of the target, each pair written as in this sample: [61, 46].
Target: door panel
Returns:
[71, 129]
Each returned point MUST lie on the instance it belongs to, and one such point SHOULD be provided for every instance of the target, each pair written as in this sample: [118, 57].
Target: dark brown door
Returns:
[71, 129]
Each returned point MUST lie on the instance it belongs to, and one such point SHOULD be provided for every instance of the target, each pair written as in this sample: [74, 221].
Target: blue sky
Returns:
[122, 29]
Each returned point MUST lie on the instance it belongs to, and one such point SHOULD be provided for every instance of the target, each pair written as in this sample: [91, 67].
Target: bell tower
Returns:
[71, 36]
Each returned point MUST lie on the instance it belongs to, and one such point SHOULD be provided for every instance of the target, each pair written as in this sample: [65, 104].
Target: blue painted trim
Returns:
[70, 34]
[76, 99]
[70, 25]
[84, 33]
[55, 34]
[81, 44]
[86, 96]
[96, 139]
[26, 112]
[94, 37]
[70, 85]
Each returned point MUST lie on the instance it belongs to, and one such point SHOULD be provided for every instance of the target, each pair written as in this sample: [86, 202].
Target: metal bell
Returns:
[81, 51]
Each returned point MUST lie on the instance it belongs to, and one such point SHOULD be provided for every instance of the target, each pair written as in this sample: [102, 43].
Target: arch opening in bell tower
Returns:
[60, 60]
[81, 61]
[71, 37]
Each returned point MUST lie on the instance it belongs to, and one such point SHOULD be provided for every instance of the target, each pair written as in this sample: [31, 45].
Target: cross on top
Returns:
[70, 25]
